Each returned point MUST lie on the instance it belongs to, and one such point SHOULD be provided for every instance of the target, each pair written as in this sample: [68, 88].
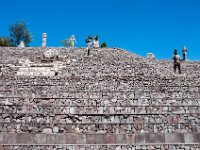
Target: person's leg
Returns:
[174, 68]
[184, 56]
[88, 51]
[179, 68]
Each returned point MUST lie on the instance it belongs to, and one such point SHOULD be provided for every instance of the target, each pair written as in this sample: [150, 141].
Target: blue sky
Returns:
[139, 26]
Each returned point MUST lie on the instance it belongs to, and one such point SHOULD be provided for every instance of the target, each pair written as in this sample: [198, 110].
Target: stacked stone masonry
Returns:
[111, 99]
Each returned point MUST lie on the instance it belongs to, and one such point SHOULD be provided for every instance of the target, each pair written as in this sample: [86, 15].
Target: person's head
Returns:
[175, 51]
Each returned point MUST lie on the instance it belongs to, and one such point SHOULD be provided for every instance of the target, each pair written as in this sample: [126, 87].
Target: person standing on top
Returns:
[72, 40]
[88, 43]
[177, 61]
[184, 51]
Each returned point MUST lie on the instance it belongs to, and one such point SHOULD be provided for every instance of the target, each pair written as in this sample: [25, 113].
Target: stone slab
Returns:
[111, 138]
[91, 139]
[75, 138]
[9, 138]
[24, 138]
[155, 138]
[51, 139]
[193, 138]
[101, 139]
[40, 138]
[174, 138]
[61, 138]
[130, 139]
[121, 138]
[140, 139]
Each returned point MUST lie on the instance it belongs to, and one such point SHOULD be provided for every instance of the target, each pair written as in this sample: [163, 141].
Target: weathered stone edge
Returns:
[100, 139]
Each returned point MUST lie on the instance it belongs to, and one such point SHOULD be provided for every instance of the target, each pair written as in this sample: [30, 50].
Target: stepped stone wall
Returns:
[111, 99]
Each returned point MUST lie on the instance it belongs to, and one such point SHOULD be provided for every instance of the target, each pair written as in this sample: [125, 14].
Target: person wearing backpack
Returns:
[177, 61]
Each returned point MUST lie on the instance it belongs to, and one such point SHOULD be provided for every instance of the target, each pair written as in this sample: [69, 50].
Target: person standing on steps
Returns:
[88, 43]
[184, 52]
[177, 61]
[72, 40]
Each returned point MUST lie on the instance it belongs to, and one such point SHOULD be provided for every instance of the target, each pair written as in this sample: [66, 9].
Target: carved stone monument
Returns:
[44, 39]
[49, 53]
[150, 56]
[21, 44]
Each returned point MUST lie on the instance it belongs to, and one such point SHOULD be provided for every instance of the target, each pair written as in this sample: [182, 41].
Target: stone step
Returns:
[99, 139]
[125, 128]
[177, 146]
[103, 103]
[96, 110]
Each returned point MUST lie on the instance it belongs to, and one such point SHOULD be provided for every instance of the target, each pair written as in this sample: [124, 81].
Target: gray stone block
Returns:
[91, 139]
[1, 138]
[101, 139]
[192, 138]
[155, 138]
[81, 139]
[130, 139]
[40, 138]
[24, 138]
[61, 138]
[9, 138]
[111, 138]
[140, 138]
[71, 138]
[121, 138]
[51, 139]
[174, 138]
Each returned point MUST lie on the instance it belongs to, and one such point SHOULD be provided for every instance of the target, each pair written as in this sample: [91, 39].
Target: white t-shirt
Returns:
[176, 58]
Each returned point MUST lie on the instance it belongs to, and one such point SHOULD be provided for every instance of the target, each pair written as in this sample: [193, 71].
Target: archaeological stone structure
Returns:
[62, 99]
[44, 39]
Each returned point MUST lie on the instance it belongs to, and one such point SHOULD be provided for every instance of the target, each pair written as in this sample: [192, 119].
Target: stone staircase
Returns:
[111, 99]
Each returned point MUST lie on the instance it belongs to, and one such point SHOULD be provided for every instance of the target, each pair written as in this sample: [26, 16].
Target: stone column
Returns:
[21, 44]
[44, 39]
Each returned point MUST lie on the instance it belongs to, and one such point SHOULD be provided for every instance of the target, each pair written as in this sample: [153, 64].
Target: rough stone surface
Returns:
[110, 97]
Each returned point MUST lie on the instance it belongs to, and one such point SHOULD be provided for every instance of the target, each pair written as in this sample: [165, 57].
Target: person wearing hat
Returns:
[177, 61]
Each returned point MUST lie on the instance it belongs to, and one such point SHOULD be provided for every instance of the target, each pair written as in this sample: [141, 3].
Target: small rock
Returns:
[47, 130]
[55, 129]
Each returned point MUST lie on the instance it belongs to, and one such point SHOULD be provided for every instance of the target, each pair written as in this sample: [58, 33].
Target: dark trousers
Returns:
[184, 56]
[88, 52]
[177, 65]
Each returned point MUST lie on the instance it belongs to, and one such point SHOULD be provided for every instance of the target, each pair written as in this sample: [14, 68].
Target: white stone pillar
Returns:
[21, 44]
[44, 39]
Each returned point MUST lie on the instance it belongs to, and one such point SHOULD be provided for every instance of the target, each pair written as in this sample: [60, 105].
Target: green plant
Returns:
[18, 33]
[103, 45]
[65, 42]
[5, 41]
